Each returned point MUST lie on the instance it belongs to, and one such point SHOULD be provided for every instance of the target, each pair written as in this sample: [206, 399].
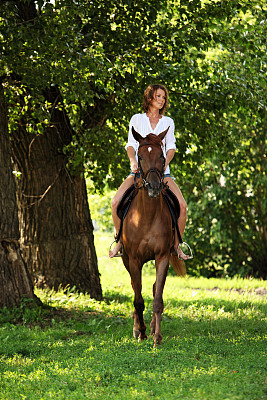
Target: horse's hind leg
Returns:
[139, 328]
[136, 326]
[153, 322]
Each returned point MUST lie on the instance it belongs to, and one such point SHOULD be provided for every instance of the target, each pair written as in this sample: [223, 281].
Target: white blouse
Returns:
[142, 125]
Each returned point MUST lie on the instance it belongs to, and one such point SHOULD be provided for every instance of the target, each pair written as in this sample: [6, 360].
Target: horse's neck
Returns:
[147, 205]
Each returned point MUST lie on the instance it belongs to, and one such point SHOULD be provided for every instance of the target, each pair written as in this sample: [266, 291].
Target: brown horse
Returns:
[147, 233]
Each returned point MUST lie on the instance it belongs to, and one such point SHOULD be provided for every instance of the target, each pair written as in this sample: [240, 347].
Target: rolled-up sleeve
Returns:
[131, 140]
[170, 138]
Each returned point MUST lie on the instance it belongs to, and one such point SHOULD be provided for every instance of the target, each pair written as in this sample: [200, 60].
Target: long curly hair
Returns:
[149, 96]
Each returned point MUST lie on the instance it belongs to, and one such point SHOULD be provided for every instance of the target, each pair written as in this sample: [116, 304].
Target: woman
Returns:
[155, 102]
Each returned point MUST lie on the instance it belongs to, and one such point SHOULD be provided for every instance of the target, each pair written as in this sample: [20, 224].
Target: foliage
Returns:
[101, 55]
[214, 342]
[100, 208]
[227, 201]
[97, 56]
[28, 312]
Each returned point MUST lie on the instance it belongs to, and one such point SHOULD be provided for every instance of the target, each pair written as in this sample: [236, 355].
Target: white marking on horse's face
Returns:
[149, 149]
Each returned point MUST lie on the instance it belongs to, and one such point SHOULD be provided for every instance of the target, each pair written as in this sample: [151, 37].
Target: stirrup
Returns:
[120, 253]
[191, 254]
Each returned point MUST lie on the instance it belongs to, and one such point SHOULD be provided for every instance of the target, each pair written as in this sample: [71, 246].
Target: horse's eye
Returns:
[140, 158]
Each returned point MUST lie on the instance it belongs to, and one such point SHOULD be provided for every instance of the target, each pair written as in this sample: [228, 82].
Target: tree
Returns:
[15, 282]
[57, 240]
[54, 215]
[98, 55]
[68, 81]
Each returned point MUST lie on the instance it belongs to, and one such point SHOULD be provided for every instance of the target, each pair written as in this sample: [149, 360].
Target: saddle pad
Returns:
[174, 202]
[128, 196]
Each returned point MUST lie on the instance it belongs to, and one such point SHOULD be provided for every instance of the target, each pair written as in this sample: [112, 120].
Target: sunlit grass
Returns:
[214, 341]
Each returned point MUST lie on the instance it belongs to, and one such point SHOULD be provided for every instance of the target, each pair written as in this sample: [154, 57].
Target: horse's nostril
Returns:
[153, 190]
[153, 194]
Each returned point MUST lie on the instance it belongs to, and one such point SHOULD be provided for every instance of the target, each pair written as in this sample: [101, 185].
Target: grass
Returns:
[214, 341]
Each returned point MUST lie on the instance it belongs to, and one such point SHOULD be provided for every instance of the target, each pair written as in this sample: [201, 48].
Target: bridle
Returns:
[145, 176]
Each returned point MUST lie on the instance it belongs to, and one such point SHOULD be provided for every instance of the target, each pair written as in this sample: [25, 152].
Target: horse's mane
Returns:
[154, 139]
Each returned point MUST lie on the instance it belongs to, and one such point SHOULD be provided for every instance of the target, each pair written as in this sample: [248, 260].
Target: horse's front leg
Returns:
[162, 266]
[139, 328]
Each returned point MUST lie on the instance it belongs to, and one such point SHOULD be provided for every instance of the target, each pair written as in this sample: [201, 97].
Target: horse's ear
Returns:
[163, 134]
[136, 135]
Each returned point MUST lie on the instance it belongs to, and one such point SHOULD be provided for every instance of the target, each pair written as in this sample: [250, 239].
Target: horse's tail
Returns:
[177, 265]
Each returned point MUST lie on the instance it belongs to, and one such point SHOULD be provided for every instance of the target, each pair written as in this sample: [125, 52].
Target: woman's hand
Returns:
[134, 166]
[133, 162]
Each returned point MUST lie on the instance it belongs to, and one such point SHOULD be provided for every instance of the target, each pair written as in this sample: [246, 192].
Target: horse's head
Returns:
[151, 161]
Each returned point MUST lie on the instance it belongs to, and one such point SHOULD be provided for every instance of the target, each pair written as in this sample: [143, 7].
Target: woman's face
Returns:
[159, 99]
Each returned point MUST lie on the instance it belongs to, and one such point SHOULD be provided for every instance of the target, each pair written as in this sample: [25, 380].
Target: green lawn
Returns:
[214, 341]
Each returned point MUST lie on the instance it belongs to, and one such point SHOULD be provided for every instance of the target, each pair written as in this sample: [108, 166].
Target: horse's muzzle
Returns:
[154, 190]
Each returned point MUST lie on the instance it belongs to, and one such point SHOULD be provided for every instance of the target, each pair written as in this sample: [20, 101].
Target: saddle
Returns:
[174, 208]
[124, 206]
[126, 200]
[169, 197]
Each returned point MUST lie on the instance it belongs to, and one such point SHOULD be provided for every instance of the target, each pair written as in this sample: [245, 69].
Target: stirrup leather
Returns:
[191, 254]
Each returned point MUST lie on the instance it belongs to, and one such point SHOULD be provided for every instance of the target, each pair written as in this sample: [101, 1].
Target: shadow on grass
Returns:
[113, 296]
[211, 345]
[79, 333]
[74, 328]
[216, 304]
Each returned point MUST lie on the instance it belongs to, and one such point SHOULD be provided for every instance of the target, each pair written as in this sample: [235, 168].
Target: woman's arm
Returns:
[169, 157]
[131, 156]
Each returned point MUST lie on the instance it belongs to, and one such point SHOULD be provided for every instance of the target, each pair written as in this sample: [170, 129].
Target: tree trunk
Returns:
[57, 231]
[15, 282]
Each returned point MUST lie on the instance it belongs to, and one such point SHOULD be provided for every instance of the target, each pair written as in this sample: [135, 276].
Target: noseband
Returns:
[145, 176]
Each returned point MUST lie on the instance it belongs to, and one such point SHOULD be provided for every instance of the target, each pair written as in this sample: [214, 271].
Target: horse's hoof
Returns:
[136, 333]
[142, 338]
[157, 341]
